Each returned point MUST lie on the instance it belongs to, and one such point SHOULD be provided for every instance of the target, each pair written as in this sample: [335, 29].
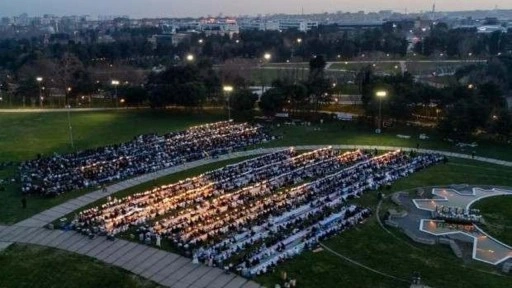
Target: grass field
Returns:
[25, 135]
[368, 243]
[361, 134]
[498, 217]
[382, 67]
[35, 266]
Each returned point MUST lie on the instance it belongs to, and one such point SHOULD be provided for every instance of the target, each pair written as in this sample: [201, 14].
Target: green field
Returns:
[360, 134]
[26, 134]
[367, 244]
[498, 217]
[382, 67]
[35, 266]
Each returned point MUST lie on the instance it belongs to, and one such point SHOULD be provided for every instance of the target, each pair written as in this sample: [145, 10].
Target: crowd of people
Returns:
[144, 154]
[250, 216]
[457, 214]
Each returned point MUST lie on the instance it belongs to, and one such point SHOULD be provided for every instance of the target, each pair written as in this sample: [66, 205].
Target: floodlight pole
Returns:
[380, 95]
[70, 129]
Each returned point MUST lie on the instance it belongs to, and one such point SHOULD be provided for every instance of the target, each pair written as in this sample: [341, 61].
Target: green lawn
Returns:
[35, 266]
[430, 67]
[24, 135]
[383, 67]
[498, 217]
[373, 247]
[361, 134]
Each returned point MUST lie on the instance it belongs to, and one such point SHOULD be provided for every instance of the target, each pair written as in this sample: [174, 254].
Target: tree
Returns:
[135, 95]
[272, 101]
[242, 102]
[68, 73]
[317, 83]
[177, 85]
[28, 88]
[500, 123]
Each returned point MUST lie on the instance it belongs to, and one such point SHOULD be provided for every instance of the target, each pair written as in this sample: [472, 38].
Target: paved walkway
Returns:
[165, 268]
[162, 267]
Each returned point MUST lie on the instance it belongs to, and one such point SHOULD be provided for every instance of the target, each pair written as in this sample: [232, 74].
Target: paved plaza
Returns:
[163, 267]
[485, 248]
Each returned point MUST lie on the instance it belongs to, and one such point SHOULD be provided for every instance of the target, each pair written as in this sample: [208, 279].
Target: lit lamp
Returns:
[267, 56]
[39, 80]
[380, 94]
[190, 58]
[228, 89]
[115, 83]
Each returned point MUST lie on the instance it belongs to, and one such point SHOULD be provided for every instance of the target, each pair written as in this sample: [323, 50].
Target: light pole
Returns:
[380, 94]
[228, 89]
[266, 58]
[39, 80]
[69, 122]
[299, 41]
[115, 83]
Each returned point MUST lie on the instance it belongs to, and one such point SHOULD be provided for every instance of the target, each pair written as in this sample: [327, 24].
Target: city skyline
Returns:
[197, 8]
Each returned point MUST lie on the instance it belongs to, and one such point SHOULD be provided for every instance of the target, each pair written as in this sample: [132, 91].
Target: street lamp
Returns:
[299, 40]
[380, 94]
[228, 89]
[190, 57]
[39, 80]
[267, 56]
[115, 83]
[69, 124]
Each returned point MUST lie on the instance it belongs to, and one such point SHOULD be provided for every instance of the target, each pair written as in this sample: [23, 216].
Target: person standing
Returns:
[158, 241]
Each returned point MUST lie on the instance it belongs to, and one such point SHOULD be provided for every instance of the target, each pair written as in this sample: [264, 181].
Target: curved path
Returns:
[165, 268]
[362, 265]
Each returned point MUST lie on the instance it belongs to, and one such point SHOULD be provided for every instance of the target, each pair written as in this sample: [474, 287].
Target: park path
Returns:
[163, 267]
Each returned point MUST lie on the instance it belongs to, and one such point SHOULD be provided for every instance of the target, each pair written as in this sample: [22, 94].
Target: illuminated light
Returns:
[381, 94]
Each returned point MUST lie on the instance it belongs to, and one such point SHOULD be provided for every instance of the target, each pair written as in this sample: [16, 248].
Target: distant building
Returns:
[487, 29]
[220, 27]
[301, 25]
[277, 24]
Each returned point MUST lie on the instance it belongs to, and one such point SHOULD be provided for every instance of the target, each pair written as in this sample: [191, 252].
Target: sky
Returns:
[195, 8]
